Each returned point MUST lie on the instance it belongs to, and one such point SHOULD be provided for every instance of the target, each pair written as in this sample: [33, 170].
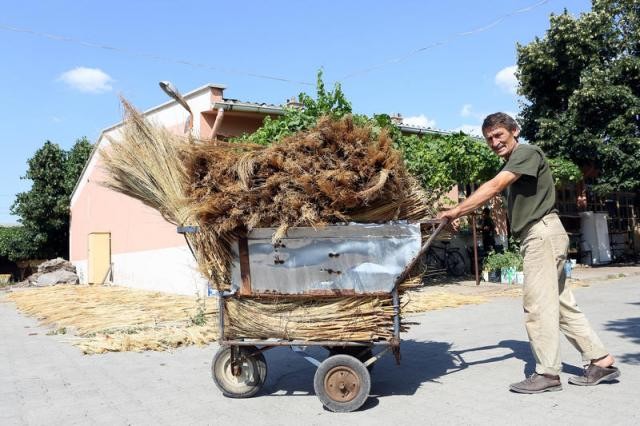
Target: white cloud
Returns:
[466, 110]
[470, 129]
[419, 120]
[506, 79]
[56, 120]
[88, 80]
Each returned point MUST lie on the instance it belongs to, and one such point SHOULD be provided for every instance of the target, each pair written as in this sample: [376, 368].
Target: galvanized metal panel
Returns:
[337, 259]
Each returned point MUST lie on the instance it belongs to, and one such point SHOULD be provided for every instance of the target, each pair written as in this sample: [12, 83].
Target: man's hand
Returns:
[451, 216]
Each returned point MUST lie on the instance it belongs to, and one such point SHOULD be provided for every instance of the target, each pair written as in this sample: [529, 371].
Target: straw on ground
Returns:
[98, 319]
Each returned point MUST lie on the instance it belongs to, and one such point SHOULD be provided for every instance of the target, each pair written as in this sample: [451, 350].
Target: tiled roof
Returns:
[411, 128]
[254, 104]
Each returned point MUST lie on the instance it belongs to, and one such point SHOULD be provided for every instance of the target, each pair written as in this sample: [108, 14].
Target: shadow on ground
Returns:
[422, 362]
[628, 328]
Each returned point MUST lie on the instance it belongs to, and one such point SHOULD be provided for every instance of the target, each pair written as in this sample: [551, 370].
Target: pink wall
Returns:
[133, 226]
[233, 124]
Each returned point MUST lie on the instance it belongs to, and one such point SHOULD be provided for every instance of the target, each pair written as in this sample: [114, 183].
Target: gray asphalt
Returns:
[456, 367]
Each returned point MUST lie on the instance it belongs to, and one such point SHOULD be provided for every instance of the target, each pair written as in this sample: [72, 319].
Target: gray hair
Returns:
[499, 119]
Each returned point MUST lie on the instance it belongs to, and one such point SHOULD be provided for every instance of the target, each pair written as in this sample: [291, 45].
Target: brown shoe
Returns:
[537, 383]
[594, 375]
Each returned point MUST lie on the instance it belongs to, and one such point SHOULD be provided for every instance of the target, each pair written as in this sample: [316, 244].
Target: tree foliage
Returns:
[582, 86]
[44, 209]
[441, 161]
[302, 117]
[16, 243]
[564, 171]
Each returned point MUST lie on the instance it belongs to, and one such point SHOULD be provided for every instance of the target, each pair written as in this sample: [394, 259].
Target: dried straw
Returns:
[358, 319]
[118, 318]
[115, 319]
[95, 309]
[417, 301]
[335, 172]
[145, 163]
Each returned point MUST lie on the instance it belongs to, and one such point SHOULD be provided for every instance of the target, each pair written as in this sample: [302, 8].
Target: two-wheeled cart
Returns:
[355, 259]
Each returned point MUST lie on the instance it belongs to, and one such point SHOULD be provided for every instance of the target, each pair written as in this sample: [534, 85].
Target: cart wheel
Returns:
[359, 352]
[251, 371]
[455, 264]
[342, 383]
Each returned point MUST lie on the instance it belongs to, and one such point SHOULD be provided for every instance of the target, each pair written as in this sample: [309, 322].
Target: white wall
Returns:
[171, 270]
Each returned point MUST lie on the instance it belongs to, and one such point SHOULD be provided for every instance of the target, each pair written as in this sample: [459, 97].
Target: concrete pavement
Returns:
[456, 366]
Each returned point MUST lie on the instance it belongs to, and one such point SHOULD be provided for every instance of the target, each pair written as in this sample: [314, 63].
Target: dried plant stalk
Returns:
[335, 172]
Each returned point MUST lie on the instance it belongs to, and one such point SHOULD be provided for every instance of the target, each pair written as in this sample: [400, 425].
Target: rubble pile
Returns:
[53, 272]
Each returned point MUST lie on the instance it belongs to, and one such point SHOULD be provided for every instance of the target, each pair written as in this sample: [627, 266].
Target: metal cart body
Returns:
[353, 259]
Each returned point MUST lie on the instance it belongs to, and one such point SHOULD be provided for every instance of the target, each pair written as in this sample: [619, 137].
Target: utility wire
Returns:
[148, 55]
[443, 42]
[264, 76]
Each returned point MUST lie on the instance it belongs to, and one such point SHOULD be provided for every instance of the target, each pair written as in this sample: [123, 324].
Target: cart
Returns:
[352, 259]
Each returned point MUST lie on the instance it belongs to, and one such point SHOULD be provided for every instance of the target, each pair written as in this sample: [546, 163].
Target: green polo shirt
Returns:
[533, 195]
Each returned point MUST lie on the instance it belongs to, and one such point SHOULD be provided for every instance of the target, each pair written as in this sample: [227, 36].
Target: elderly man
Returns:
[549, 305]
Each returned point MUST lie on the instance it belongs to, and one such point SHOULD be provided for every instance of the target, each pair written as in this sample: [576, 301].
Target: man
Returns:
[549, 305]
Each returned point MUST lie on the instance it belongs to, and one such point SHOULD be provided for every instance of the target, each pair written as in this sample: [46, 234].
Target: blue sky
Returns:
[64, 63]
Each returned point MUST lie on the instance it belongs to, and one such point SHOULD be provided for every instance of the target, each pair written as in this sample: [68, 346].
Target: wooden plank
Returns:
[245, 270]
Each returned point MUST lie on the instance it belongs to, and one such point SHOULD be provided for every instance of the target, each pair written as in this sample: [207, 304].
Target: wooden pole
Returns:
[475, 249]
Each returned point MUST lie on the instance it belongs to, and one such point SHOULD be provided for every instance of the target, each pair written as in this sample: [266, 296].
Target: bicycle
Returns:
[449, 258]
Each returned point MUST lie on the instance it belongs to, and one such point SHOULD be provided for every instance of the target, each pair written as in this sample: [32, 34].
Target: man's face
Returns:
[501, 140]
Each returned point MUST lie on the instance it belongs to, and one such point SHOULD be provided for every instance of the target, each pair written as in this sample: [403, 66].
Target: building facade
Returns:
[116, 238]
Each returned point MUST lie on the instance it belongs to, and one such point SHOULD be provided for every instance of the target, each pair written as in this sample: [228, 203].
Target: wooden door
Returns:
[99, 256]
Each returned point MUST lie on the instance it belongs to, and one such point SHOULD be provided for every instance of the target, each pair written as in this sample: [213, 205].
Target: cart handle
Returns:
[405, 273]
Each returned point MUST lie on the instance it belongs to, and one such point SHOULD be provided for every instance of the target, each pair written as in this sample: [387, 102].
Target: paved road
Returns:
[455, 370]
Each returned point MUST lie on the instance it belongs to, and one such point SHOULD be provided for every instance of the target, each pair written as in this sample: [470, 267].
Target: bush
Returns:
[496, 261]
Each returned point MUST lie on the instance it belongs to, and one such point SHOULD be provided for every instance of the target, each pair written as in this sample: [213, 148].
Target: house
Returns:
[116, 238]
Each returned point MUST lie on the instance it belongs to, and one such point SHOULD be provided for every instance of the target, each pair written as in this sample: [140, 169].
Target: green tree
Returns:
[564, 171]
[441, 161]
[303, 116]
[77, 158]
[16, 243]
[44, 209]
[581, 82]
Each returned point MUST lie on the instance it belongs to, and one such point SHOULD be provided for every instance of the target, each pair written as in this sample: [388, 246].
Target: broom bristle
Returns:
[335, 172]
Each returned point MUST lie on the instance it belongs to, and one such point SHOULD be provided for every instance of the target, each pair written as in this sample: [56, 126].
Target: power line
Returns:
[148, 55]
[445, 41]
[264, 76]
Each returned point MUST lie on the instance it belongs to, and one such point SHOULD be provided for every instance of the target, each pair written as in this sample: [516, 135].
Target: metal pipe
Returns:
[299, 343]
[216, 124]
[248, 108]
[396, 312]
[475, 249]
[376, 357]
[405, 273]
[220, 318]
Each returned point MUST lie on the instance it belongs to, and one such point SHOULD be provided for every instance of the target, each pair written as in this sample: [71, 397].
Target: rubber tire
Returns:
[432, 261]
[253, 372]
[342, 361]
[455, 264]
[353, 351]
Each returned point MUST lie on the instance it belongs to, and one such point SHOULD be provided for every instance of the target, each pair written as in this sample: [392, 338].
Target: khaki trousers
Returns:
[549, 304]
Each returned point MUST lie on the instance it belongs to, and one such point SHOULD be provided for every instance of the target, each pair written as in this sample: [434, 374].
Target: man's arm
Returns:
[486, 191]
